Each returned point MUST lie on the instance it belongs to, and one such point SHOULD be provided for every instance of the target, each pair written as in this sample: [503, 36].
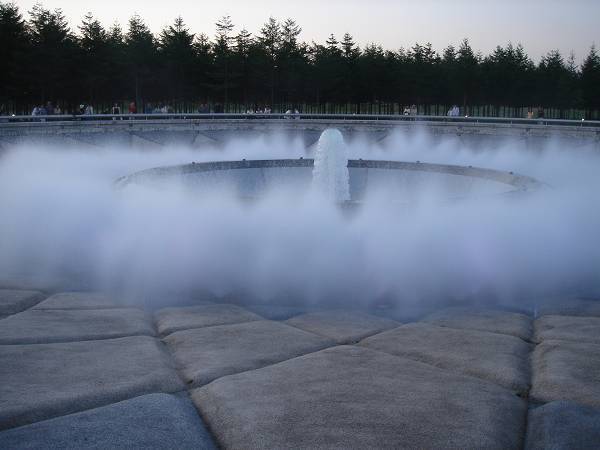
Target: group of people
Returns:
[46, 110]
[410, 110]
[84, 109]
[265, 110]
[116, 109]
[295, 113]
[454, 111]
[540, 113]
[159, 108]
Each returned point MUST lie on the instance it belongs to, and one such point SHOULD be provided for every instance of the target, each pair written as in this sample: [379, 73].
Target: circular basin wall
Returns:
[389, 179]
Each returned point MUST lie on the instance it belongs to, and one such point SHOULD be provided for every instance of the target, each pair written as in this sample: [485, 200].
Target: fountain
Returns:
[338, 178]
[325, 281]
[330, 171]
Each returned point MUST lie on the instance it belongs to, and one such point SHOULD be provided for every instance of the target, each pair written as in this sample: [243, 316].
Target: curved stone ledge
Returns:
[397, 180]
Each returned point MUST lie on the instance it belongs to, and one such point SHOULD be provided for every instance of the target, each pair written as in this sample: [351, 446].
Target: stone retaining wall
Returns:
[193, 131]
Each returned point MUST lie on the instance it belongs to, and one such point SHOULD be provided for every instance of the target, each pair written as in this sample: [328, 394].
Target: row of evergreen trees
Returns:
[44, 60]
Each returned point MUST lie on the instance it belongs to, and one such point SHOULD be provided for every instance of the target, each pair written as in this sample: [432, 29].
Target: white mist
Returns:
[61, 218]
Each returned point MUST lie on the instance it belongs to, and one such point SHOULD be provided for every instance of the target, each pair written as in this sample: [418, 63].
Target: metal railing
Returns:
[305, 117]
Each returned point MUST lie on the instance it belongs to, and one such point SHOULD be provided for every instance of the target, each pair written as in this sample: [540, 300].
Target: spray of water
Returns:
[330, 172]
[62, 220]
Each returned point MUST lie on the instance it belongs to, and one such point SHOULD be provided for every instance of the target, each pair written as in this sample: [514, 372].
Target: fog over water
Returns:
[61, 218]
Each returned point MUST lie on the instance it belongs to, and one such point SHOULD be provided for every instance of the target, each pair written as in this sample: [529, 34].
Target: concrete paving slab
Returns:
[204, 354]
[568, 328]
[153, 421]
[563, 426]
[46, 326]
[355, 398]
[569, 307]
[79, 300]
[42, 381]
[493, 321]
[13, 301]
[499, 358]
[344, 327]
[564, 370]
[169, 320]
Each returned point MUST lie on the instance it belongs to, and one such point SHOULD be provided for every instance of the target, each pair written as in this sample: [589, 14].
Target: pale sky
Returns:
[540, 25]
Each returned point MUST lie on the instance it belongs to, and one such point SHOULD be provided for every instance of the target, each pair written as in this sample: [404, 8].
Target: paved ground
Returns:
[84, 370]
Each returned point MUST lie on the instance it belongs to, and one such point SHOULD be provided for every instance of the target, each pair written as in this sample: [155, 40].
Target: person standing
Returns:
[540, 113]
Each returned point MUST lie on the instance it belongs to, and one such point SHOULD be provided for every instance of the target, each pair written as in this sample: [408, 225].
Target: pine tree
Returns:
[175, 45]
[333, 46]
[13, 54]
[222, 50]
[44, 61]
[203, 63]
[350, 81]
[425, 80]
[270, 40]
[140, 51]
[554, 81]
[118, 83]
[451, 93]
[350, 50]
[290, 31]
[95, 62]
[243, 45]
[467, 73]
[54, 56]
[590, 81]
[291, 64]
[508, 77]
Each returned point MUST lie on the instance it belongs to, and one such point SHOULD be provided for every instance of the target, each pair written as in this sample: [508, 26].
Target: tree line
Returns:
[44, 59]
